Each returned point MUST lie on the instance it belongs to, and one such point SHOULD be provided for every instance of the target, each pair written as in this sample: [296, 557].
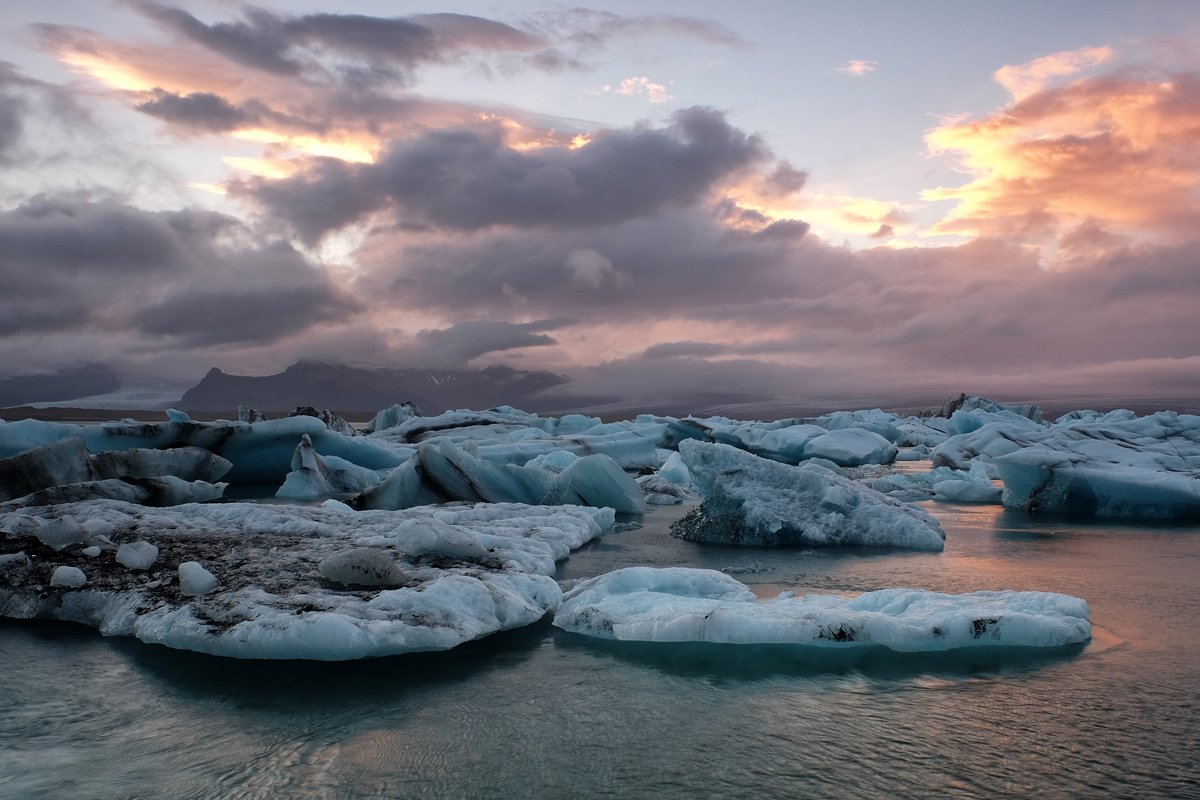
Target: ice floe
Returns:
[694, 605]
[466, 572]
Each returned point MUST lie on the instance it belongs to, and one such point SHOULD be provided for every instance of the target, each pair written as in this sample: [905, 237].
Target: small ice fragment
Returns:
[62, 532]
[195, 580]
[11, 559]
[92, 552]
[137, 555]
[67, 577]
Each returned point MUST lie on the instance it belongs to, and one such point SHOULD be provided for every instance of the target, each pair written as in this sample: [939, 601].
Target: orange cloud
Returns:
[1116, 152]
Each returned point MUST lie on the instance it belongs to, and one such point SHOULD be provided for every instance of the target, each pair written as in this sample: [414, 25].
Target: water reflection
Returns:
[764, 661]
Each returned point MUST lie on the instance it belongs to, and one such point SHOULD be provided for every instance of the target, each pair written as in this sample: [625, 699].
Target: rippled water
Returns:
[543, 713]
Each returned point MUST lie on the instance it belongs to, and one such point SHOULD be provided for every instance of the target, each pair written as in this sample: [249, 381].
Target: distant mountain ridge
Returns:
[355, 389]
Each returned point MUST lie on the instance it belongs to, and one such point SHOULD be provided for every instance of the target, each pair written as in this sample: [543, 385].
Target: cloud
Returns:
[175, 279]
[640, 86]
[463, 341]
[858, 67]
[1115, 150]
[1023, 80]
[468, 178]
[350, 49]
[201, 111]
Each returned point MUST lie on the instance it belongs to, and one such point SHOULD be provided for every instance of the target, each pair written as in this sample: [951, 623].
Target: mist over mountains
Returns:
[348, 388]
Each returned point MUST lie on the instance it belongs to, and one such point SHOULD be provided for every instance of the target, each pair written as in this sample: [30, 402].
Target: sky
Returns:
[654, 198]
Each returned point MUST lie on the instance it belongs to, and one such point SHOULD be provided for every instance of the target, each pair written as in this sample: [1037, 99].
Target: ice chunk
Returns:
[313, 477]
[361, 566]
[973, 487]
[851, 447]
[137, 555]
[92, 552]
[195, 580]
[65, 577]
[440, 471]
[164, 491]
[694, 605]
[755, 501]
[675, 471]
[1039, 479]
[63, 461]
[61, 533]
[391, 417]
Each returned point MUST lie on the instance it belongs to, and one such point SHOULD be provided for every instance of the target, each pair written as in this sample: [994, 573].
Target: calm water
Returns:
[543, 713]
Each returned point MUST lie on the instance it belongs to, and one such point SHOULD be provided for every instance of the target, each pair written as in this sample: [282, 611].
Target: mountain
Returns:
[357, 389]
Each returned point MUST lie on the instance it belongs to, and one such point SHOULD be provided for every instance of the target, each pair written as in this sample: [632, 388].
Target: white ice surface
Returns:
[694, 605]
[468, 571]
[755, 501]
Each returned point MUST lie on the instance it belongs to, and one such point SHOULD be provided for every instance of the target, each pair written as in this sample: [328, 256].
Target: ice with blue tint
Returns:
[1039, 479]
[314, 477]
[464, 572]
[680, 604]
[755, 501]
[259, 452]
[441, 471]
[68, 461]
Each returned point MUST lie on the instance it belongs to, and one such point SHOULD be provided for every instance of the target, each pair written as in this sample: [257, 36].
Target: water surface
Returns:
[544, 713]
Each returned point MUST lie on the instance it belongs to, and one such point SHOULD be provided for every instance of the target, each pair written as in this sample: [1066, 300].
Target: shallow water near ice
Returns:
[544, 713]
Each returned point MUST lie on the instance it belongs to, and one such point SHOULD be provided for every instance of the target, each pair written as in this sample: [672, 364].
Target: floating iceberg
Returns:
[259, 452]
[696, 605]
[755, 501]
[67, 461]
[165, 491]
[1039, 479]
[313, 477]
[465, 572]
[442, 472]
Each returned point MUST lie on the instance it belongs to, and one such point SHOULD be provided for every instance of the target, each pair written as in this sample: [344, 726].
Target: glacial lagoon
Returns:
[539, 712]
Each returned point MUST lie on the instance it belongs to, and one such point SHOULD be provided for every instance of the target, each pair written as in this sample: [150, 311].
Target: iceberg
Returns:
[466, 572]
[754, 501]
[164, 491]
[1040, 479]
[695, 605]
[258, 452]
[67, 461]
[313, 477]
[442, 472]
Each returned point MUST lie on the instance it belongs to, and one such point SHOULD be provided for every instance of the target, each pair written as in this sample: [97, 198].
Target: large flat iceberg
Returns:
[755, 501]
[460, 573]
[696, 605]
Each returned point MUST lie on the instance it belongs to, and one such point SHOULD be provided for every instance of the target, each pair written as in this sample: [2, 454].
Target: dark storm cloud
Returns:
[468, 179]
[194, 276]
[464, 341]
[679, 261]
[201, 111]
[354, 49]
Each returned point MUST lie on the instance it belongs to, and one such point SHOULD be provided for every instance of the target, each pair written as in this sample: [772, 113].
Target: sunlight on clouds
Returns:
[211, 188]
[1117, 151]
[1022, 80]
[355, 148]
[111, 73]
[858, 67]
[270, 168]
